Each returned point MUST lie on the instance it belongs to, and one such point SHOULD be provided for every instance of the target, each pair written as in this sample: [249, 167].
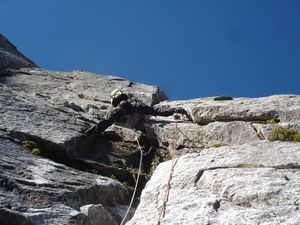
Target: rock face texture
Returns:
[40, 191]
[78, 90]
[224, 169]
[50, 171]
[228, 122]
[256, 183]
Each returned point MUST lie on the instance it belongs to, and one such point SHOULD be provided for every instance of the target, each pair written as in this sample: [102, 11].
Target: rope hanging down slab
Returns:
[165, 200]
[136, 184]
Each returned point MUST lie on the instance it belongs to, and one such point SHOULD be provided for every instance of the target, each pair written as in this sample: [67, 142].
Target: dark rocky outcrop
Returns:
[11, 58]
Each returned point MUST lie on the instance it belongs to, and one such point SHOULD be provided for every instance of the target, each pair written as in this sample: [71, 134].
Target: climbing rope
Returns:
[173, 164]
[193, 142]
[173, 153]
[136, 183]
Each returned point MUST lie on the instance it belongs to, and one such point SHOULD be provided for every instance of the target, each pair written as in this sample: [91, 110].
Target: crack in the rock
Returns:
[200, 173]
[84, 119]
[13, 217]
[47, 148]
[12, 139]
[259, 134]
[258, 119]
[198, 176]
[10, 72]
[287, 166]
[68, 153]
[39, 74]
[43, 96]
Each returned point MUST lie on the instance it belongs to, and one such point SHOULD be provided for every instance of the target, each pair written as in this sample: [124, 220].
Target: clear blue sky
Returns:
[190, 48]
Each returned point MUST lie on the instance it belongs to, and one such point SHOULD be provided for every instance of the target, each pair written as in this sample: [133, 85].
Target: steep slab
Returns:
[78, 90]
[257, 183]
[191, 136]
[29, 118]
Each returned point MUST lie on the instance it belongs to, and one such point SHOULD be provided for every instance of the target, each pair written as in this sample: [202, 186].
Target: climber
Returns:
[127, 109]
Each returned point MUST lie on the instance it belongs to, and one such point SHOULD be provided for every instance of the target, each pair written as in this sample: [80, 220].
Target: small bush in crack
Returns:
[247, 165]
[35, 151]
[273, 120]
[284, 134]
[32, 146]
[217, 145]
[29, 144]
[297, 137]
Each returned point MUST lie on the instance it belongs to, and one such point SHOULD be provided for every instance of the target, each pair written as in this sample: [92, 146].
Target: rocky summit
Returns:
[230, 161]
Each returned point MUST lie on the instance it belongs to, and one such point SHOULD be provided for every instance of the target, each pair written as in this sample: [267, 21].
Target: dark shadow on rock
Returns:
[10, 217]
[109, 155]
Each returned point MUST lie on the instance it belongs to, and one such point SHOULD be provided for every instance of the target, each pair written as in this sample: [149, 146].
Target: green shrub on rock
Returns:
[35, 151]
[217, 145]
[273, 120]
[284, 134]
[297, 137]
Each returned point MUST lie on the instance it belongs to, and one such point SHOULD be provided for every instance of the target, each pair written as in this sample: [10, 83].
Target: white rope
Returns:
[136, 184]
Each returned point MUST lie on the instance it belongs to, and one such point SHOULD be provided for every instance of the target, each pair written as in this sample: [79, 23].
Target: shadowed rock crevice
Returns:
[11, 58]
[46, 148]
[10, 217]
[114, 157]
[103, 155]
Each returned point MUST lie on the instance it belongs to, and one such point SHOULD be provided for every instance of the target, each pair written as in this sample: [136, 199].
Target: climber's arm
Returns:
[155, 111]
[115, 115]
[161, 111]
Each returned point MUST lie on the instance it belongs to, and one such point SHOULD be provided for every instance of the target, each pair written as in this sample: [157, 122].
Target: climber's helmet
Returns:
[117, 96]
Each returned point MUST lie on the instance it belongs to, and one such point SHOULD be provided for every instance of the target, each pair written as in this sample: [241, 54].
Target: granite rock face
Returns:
[40, 191]
[285, 108]
[58, 106]
[79, 90]
[257, 118]
[49, 168]
[256, 183]
[225, 169]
